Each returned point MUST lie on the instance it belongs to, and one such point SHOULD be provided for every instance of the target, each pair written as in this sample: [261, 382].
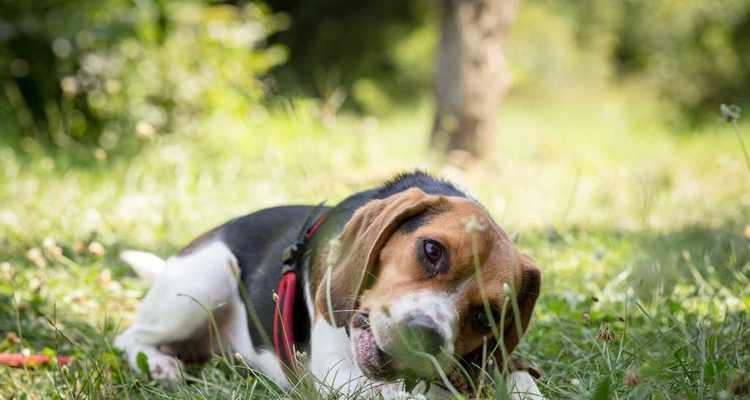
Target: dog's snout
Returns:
[422, 334]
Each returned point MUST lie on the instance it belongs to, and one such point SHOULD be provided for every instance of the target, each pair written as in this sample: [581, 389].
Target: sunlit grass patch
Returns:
[641, 233]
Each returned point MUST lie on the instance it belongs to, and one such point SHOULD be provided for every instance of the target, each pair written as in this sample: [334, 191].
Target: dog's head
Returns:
[420, 287]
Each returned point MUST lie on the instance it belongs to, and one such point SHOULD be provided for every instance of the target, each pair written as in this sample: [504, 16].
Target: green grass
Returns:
[641, 231]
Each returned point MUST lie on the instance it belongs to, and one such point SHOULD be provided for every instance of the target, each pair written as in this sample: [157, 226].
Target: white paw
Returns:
[164, 368]
[402, 395]
[523, 387]
[397, 392]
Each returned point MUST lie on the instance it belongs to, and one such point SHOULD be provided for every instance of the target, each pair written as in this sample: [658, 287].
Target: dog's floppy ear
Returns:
[531, 280]
[526, 296]
[359, 247]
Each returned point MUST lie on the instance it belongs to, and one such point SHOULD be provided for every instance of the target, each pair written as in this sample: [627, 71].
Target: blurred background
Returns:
[590, 129]
[80, 75]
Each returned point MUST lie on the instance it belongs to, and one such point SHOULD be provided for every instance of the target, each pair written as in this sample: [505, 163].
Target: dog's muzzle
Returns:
[417, 344]
[413, 336]
[418, 334]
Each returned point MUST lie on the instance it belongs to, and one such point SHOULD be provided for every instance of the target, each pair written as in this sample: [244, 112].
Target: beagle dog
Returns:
[411, 280]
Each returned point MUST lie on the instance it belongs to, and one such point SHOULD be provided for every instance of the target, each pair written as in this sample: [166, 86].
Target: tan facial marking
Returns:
[382, 273]
[400, 273]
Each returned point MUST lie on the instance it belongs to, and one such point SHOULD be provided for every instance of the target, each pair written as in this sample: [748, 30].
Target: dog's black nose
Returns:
[422, 334]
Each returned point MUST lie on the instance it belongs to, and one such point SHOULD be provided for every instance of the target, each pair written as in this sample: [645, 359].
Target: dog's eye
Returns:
[433, 257]
[482, 321]
[432, 250]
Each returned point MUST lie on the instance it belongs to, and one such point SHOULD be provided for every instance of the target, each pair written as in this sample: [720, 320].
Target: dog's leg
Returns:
[178, 308]
[235, 337]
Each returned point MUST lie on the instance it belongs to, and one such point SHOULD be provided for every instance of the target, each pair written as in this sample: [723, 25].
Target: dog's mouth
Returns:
[370, 358]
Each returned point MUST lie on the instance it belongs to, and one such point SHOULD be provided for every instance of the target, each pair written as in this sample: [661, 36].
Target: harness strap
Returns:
[283, 320]
[283, 315]
[314, 227]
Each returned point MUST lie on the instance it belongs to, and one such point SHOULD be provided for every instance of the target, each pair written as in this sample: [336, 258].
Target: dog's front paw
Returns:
[523, 387]
[164, 368]
[397, 392]
[402, 395]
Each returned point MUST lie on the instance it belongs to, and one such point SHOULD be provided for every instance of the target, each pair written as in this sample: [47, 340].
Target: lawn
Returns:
[642, 229]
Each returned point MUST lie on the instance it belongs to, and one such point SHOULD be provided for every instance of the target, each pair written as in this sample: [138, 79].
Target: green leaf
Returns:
[51, 354]
[142, 361]
[409, 384]
[602, 390]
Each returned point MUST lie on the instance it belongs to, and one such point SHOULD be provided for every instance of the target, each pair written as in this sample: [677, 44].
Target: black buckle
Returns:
[292, 256]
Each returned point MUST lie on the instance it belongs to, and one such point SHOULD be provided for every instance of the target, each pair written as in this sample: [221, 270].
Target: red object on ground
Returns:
[20, 360]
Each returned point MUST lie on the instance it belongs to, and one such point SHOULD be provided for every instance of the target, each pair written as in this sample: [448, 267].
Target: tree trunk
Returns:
[471, 74]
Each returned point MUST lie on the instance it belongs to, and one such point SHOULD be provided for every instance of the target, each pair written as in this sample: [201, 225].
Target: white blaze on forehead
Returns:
[438, 306]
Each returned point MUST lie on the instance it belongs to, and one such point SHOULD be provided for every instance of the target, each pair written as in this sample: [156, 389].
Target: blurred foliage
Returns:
[86, 74]
[695, 53]
[544, 52]
[103, 72]
[346, 45]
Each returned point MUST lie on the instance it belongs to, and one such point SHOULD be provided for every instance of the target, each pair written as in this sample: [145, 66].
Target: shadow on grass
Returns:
[657, 260]
[660, 314]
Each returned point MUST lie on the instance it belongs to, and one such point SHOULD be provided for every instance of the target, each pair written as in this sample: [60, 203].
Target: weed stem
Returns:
[742, 144]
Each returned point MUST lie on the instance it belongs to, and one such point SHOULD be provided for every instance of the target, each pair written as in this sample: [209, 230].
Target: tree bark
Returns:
[471, 75]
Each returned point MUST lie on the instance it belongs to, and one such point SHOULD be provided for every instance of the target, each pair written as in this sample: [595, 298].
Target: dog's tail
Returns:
[146, 265]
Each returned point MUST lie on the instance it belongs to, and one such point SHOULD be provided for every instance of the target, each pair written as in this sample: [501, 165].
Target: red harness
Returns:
[283, 313]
